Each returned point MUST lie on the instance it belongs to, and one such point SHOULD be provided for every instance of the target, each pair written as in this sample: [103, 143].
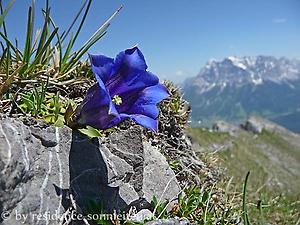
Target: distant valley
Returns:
[238, 87]
[272, 155]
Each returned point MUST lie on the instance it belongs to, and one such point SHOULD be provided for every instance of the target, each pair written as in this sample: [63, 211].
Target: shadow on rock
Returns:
[89, 176]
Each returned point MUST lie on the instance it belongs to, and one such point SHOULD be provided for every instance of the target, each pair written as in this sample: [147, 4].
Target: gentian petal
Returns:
[118, 120]
[97, 109]
[130, 73]
[129, 90]
[131, 58]
[130, 81]
[145, 121]
[153, 94]
[134, 90]
[147, 100]
[102, 67]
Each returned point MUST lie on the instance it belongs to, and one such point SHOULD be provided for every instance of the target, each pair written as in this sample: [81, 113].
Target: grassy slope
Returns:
[275, 169]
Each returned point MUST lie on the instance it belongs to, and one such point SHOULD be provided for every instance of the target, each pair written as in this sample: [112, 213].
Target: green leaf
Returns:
[154, 201]
[60, 121]
[205, 196]
[90, 132]
[69, 114]
[28, 104]
[82, 20]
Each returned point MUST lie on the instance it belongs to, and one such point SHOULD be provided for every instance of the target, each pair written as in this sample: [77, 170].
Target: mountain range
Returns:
[238, 87]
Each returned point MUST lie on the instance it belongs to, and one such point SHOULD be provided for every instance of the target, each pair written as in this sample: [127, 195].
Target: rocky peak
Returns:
[240, 70]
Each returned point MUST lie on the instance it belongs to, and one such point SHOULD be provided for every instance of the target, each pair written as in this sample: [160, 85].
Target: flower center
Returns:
[117, 100]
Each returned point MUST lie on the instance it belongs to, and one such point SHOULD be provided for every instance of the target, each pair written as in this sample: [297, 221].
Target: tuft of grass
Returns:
[33, 78]
[200, 205]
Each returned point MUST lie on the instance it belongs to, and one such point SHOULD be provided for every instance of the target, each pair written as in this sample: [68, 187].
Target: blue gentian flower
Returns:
[124, 90]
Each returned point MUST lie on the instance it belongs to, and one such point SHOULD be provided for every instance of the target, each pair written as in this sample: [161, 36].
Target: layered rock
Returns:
[42, 167]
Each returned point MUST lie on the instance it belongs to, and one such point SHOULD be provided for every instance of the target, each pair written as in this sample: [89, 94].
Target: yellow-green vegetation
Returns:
[201, 205]
[273, 186]
[206, 137]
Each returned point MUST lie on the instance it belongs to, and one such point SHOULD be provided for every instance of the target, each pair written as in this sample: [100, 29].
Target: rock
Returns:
[258, 124]
[42, 165]
[155, 164]
[254, 125]
[224, 127]
[31, 171]
[141, 216]
[182, 221]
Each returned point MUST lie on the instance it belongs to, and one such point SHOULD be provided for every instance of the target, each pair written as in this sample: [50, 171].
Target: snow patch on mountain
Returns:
[238, 62]
[245, 70]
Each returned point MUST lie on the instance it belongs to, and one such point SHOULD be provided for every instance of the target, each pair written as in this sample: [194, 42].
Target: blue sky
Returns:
[178, 37]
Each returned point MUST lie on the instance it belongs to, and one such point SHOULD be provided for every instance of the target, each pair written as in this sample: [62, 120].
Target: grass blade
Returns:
[65, 34]
[104, 26]
[78, 56]
[4, 51]
[100, 32]
[245, 213]
[4, 13]
[2, 23]
[82, 20]
[29, 34]
[37, 34]
[6, 84]
[73, 38]
[68, 50]
[43, 50]
[8, 42]
[58, 44]
[44, 30]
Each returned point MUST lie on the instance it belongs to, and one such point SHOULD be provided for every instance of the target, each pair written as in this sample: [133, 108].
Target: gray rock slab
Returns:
[41, 165]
